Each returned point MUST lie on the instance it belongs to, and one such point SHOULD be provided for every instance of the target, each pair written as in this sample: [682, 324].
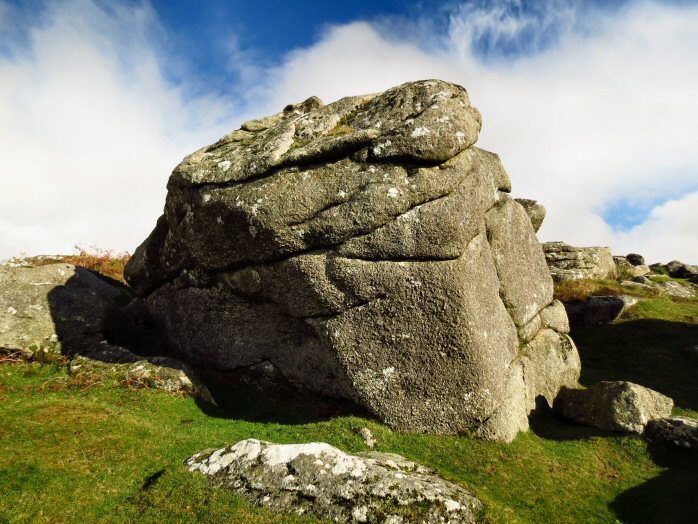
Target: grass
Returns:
[572, 290]
[78, 450]
[112, 454]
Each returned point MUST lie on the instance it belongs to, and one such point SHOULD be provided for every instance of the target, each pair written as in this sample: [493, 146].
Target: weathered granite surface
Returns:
[368, 251]
[321, 480]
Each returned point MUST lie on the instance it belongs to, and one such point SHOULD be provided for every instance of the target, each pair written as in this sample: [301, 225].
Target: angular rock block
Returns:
[614, 406]
[368, 251]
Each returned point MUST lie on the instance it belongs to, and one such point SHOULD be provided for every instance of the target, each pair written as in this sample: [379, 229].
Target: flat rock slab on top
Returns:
[573, 263]
[321, 480]
[366, 250]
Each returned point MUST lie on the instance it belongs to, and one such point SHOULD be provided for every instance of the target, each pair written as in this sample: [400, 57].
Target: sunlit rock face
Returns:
[367, 250]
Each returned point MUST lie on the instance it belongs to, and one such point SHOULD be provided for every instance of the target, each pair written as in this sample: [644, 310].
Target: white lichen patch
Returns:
[393, 192]
[420, 131]
[321, 480]
[224, 166]
[460, 136]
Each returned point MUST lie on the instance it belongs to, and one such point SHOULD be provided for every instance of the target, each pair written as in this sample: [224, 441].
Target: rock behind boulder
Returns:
[367, 250]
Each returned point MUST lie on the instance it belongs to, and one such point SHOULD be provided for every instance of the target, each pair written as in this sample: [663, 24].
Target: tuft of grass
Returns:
[340, 130]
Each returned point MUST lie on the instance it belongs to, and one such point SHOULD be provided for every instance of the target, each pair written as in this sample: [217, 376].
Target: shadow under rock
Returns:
[99, 318]
[648, 352]
[668, 498]
[545, 423]
[244, 394]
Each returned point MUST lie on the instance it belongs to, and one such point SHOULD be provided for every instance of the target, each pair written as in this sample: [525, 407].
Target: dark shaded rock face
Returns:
[368, 251]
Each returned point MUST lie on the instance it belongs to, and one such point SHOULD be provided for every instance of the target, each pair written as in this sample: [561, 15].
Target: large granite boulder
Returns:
[573, 263]
[367, 251]
[321, 480]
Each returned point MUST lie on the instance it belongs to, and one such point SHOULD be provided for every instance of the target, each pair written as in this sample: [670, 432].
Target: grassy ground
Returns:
[80, 451]
[104, 453]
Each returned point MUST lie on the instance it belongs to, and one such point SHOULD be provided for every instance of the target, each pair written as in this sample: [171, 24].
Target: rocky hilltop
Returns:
[364, 250]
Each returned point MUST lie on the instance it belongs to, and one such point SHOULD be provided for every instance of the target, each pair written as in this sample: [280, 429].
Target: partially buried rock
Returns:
[678, 431]
[367, 251]
[613, 406]
[321, 480]
[678, 269]
[595, 311]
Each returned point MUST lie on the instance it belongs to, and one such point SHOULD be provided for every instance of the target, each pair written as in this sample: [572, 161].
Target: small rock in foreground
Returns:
[679, 431]
[321, 480]
[613, 406]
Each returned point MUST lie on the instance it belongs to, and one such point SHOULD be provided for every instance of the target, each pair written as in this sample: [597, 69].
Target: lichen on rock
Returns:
[321, 480]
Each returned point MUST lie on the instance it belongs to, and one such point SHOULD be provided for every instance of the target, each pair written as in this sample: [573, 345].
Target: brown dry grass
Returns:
[99, 260]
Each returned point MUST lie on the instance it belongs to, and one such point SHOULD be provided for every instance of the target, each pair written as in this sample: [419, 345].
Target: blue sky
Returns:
[591, 105]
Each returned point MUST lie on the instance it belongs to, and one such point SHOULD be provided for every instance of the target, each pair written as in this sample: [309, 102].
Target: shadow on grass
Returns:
[649, 352]
[668, 498]
[546, 424]
[652, 353]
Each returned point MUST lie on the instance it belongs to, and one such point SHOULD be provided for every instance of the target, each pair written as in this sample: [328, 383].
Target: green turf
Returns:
[80, 451]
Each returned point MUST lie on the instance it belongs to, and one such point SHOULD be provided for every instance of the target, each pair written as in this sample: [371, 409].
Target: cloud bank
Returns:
[590, 110]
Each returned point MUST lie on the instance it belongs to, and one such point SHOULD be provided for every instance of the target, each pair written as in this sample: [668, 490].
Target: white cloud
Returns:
[606, 113]
[673, 225]
[90, 129]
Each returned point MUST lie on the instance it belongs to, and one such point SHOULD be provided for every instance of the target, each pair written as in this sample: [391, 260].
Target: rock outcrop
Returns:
[613, 406]
[54, 308]
[626, 269]
[319, 479]
[573, 263]
[367, 250]
[62, 312]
